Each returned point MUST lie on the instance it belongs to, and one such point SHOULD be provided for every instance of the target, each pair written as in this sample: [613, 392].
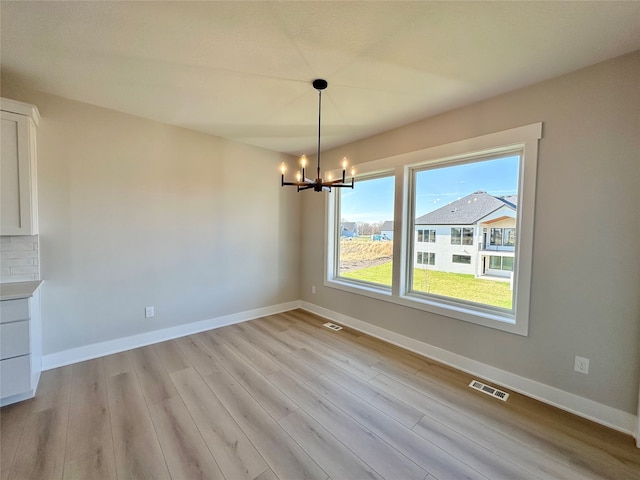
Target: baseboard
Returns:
[583, 407]
[88, 352]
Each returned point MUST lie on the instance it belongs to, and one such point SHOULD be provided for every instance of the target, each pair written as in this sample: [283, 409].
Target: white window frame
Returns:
[522, 140]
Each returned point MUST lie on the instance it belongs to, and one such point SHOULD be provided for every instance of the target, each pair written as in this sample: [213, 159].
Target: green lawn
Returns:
[454, 285]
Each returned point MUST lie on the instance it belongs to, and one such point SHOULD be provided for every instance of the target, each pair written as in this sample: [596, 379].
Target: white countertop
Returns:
[13, 291]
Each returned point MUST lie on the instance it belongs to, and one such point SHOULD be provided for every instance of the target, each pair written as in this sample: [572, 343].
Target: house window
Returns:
[467, 236]
[507, 263]
[472, 191]
[509, 238]
[461, 236]
[496, 237]
[426, 235]
[456, 236]
[426, 258]
[483, 184]
[503, 237]
[364, 255]
[466, 259]
[501, 263]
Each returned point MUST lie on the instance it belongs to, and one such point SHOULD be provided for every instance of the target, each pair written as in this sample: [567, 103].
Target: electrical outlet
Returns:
[313, 289]
[149, 312]
[581, 365]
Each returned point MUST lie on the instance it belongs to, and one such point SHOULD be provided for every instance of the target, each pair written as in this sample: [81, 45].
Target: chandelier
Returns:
[319, 184]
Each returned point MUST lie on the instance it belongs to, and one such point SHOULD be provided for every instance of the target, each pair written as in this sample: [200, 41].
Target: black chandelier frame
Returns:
[319, 184]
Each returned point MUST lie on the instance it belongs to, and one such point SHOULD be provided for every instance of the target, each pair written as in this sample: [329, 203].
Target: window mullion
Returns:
[402, 253]
[333, 227]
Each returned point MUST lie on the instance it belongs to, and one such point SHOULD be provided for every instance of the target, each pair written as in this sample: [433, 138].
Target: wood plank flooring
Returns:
[283, 398]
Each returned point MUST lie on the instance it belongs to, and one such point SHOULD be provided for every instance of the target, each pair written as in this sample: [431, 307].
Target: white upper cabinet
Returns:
[18, 187]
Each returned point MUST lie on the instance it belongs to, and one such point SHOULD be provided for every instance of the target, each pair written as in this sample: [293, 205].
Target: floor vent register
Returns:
[489, 390]
[332, 326]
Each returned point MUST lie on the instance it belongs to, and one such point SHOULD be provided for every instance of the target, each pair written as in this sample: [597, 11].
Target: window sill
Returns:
[503, 321]
[367, 289]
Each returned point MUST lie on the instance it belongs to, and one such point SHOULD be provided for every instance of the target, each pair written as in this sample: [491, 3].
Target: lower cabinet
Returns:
[20, 350]
[15, 376]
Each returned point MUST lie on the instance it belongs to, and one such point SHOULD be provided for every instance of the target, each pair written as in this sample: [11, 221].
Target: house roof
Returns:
[467, 210]
[387, 226]
[351, 226]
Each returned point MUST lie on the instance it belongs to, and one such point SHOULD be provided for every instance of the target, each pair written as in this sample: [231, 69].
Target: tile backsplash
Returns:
[19, 258]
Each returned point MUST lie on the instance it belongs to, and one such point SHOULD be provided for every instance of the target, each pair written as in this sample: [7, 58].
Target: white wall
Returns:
[135, 213]
[586, 264]
[445, 251]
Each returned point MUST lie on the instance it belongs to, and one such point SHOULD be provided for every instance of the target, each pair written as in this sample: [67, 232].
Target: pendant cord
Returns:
[319, 118]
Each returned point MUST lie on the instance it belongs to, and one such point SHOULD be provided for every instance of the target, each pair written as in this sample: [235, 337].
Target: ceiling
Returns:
[243, 70]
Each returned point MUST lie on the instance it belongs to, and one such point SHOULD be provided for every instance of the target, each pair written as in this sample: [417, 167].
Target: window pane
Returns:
[467, 236]
[461, 259]
[421, 235]
[509, 239]
[496, 236]
[432, 236]
[456, 236]
[364, 253]
[457, 201]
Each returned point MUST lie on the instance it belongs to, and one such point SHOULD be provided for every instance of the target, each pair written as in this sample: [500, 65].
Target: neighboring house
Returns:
[348, 229]
[475, 235]
[386, 230]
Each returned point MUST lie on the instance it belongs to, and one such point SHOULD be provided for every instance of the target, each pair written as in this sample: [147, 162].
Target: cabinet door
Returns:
[14, 310]
[15, 376]
[14, 339]
[15, 175]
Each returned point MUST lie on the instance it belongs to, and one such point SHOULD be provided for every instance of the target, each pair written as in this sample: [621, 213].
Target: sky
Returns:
[372, 200]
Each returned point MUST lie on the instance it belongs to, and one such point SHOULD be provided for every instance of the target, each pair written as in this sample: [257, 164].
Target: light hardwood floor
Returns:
[283, 398]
